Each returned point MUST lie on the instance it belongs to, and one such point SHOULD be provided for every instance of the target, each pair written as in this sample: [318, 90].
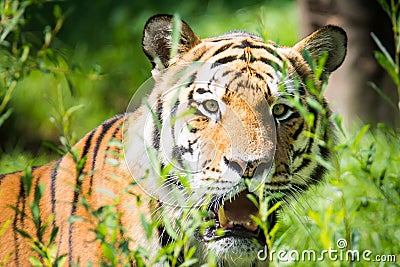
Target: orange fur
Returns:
[64, 188]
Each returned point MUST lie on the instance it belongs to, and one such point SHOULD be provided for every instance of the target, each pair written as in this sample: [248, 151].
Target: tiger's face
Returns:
[222, 129]
[223, 118]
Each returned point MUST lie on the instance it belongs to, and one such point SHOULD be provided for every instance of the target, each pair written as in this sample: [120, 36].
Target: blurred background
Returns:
[76, 63]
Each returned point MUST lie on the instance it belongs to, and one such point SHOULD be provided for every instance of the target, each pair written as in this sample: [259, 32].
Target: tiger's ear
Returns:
[157, 40]
[330, 39]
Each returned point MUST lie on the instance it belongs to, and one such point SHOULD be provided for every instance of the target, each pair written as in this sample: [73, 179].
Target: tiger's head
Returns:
[223, 115]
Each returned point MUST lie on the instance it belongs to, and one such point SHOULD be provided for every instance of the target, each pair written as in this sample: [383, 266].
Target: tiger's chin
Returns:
[235, 248]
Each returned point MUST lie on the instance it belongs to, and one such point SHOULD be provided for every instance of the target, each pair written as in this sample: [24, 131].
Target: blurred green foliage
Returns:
[360, 203]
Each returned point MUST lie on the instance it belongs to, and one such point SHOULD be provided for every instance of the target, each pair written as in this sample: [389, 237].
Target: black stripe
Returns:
[227, 72]
[298, 131]
[223, 60]
[273, 52]
[165, 238]
[197, 57]
[18, 213]
[104, 129]
[269, 62]
[113, 136]
[305, 162]
[243, 45]
[254, 72]
[77, 190]
[237, 76]
[192, 78]
[259, 76]
[106, 126]
[316, 115]
[300, 71]
[21, 199]
[307, 150]
[222, 49]
[202, 91]
[40, 221]
[173, 114]
[221, 39]
[317, 174]
[244, 58]
[190, 95]
[117, 129]
[156, 131]
[53, 177]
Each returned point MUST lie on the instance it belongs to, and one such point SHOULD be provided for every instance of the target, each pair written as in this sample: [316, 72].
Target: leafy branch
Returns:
[383, 57]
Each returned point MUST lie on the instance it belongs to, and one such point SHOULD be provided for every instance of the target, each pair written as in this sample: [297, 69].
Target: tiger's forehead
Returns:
[261, 62]
[242, 46]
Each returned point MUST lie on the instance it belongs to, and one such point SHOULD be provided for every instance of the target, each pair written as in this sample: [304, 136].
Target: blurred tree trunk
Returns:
[348, 90]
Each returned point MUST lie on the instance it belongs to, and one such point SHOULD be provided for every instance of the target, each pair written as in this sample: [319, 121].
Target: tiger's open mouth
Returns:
[234, 217]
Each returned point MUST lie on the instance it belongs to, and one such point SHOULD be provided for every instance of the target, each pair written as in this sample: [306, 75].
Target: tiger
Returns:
[239, 137]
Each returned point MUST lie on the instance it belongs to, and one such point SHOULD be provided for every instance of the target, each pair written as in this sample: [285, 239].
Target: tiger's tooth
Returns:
[221, 217]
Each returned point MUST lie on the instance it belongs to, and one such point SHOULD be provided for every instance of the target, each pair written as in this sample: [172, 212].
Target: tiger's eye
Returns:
[279, 110]
[211, 105]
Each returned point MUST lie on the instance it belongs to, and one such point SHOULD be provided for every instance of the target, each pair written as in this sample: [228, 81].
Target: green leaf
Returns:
[73, 109]
[383, 49]
[191, 252]
[5, 225]
[176, 35]
[189, 262]
[57, 11]
[387, 65]
[168, 227]
[146, 226]
[27, 180]
[274, 208]
[115, 142]
[53, 234]
[35, 214]
[106, 192]
[360, 135]
[35, 261]
[321, 65]
[112, 162]
[61, 260]
[307, 56]
[314, 104]
[108, 252]
[5, 116]
[23, 233]
[383, 95]
[385, 7]
[54, 147]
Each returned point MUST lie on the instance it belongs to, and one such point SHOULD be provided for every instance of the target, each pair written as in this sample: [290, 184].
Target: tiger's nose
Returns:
[249, 169]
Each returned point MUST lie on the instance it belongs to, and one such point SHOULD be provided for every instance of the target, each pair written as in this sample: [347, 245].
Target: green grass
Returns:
[360, 202]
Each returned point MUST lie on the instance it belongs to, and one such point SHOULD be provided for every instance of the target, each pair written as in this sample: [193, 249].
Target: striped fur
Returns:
[255, 70]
